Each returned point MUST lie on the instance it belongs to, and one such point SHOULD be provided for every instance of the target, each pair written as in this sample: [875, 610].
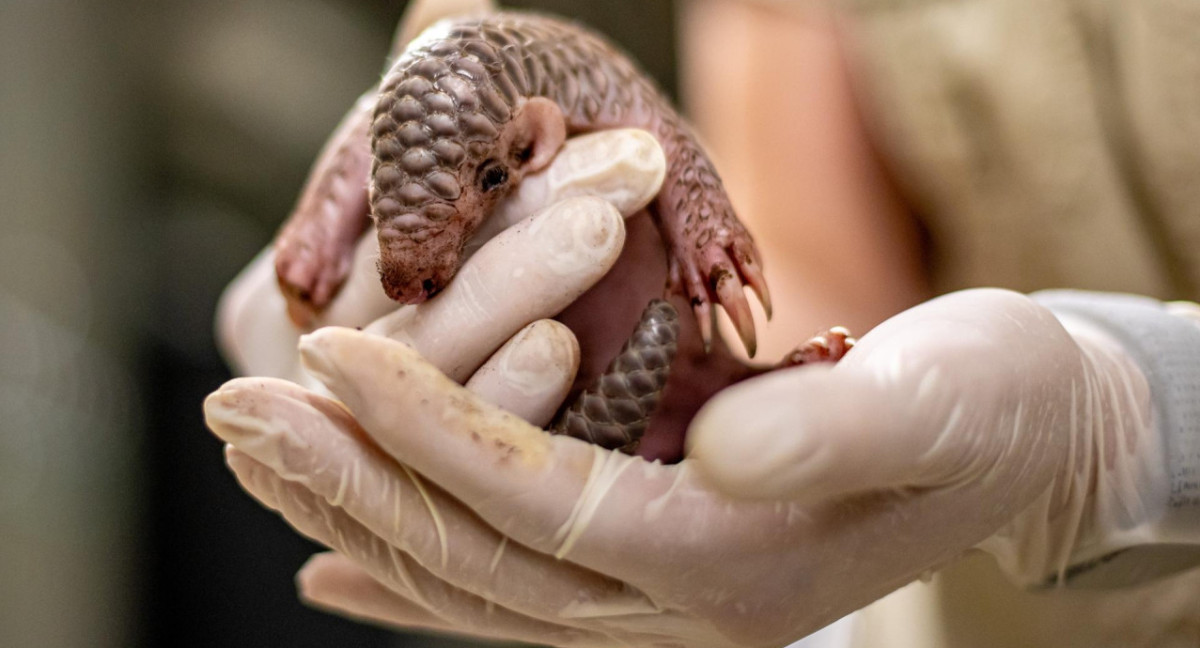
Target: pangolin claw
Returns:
[828, 346]
[737, 307]
[704, 317]
[751, 270]
[721, 276]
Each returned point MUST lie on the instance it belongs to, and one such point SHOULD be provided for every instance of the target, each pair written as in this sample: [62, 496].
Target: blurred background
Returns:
[147, 151]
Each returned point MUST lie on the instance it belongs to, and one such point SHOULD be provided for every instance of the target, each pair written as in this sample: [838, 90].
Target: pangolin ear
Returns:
[540, 132]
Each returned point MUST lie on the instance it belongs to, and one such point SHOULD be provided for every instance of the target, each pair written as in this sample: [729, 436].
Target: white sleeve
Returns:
[1166, 346]
[834, 635]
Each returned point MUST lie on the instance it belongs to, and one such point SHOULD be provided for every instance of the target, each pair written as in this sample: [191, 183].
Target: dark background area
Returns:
[147, 151]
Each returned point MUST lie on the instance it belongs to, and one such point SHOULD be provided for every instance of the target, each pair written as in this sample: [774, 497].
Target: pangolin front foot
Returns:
[310, 267]
[315, 249]
[717, 270]
[829, 346]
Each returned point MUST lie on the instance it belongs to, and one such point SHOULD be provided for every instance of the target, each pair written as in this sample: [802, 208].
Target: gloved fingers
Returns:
[554, 494]
[945, 394]
[316, 444]
[624, 167]
[254, 334]
[333, 583]
[770, 437]
[532, 373]
[318, 520]
[528, 272]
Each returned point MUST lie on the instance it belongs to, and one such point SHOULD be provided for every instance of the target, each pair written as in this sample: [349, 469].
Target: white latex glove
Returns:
[976, 418]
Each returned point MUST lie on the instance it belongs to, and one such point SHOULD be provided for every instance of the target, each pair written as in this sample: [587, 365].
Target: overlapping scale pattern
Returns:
[616, 409]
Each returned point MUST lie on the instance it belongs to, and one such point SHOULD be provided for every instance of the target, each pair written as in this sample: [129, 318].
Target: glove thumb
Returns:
[807, 434]
[967, 388]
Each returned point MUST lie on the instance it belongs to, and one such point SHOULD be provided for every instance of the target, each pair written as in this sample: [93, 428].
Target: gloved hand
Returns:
[976, 419]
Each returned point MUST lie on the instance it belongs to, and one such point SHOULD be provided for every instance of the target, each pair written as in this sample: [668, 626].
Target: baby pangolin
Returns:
[472, 106]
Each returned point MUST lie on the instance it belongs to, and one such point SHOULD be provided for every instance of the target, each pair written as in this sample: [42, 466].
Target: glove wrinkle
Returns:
[438, 526]
[607, 466]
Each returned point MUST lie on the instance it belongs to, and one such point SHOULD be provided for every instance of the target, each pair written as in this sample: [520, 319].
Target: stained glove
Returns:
[975, 420]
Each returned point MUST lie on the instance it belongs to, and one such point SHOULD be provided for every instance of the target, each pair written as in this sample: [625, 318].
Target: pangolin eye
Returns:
[492, 175]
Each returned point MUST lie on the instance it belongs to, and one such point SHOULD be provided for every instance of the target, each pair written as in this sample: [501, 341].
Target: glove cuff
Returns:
[1166, 347]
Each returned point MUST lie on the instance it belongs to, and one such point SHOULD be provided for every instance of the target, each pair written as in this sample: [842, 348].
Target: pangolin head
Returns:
[447, 145]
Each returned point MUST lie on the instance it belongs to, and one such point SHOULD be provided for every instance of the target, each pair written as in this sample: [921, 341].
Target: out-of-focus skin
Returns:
[777, 107]
[972, 602]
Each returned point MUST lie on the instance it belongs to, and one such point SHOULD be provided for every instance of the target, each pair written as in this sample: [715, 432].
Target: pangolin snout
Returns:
[413, 272]
[447, 147]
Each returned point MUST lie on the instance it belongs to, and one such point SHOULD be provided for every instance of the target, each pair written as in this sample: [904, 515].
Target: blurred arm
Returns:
[770, 94]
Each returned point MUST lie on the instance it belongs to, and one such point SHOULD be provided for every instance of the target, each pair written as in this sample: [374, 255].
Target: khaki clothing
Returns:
[1049, 143]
